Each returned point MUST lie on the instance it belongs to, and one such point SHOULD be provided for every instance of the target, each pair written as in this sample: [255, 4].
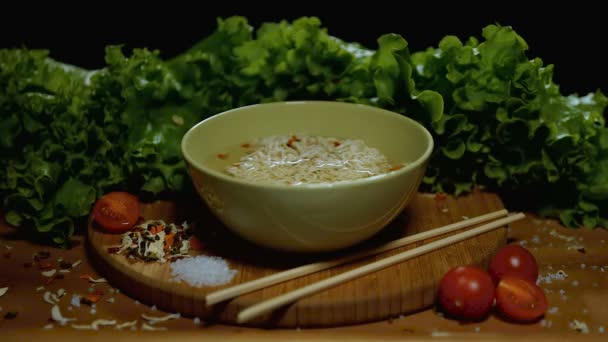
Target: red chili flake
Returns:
[50, 280]
[90, 299]
[11, 315]
[113, 250]
[44, 265]
[440, 196]
[292, 140]
[196, 244]
[222, 156]
[245, 145]
[337, 143]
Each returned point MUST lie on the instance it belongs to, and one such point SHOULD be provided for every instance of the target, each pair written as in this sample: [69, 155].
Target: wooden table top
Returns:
[582, 296]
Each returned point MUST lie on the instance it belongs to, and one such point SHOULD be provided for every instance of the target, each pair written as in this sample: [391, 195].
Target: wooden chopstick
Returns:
[250, 286]
[273, 303]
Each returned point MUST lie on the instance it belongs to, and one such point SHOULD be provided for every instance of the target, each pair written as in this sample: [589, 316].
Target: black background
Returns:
[571, 36]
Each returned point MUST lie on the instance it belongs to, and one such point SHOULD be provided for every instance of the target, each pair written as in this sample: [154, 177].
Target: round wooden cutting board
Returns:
[399, 289]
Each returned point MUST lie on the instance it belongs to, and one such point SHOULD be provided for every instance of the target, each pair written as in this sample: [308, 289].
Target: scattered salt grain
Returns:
[136, 302]
[548, 279]
[535, 239]
[580, 238]
[202, 271]
[58, 317]
[579, 326]
[602, 269]
[156, 319]
[93, 280]
[575, 283]
[70, 308]
[585, 311]
[564, 298]
[562, 237]
[82, 327]
[464, 217]
[75, 301]
[444, 210]
[523, 243]
[196, 320]
[93, 311]
[477, 329]
[147, 327]
[127, 325]
[153, 308]
[48, 326]
[40, 288]
[553, 310]
[594, 267]
[64, 271]
[48, 297]
[543, 323]
[600, 329]
[440, 334]
[49, 273]
[133, 328]
[561, 292]
[110, 300]
[76, 263]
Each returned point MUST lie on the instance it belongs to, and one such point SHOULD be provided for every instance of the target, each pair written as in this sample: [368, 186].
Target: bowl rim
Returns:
[339, 184]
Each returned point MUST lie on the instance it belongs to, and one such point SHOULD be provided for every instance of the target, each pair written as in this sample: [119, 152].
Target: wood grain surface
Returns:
[400, 289]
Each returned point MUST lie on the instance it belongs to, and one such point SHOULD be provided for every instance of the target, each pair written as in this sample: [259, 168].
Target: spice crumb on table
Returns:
[575, 293]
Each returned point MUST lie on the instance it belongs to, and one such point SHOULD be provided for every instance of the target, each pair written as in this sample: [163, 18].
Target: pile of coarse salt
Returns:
[202, 271]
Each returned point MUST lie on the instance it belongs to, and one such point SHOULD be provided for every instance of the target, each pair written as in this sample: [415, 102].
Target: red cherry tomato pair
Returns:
[468, 292]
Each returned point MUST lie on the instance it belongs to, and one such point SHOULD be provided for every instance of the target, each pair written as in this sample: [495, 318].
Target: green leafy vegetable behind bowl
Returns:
[497, 117]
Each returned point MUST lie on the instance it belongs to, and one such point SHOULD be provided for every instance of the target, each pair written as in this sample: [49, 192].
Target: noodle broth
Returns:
[301, 159]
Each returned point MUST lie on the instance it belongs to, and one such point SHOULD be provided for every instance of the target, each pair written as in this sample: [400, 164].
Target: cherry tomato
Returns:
[116, 211]
[520, 300]
[513, 260]
[466, 292]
